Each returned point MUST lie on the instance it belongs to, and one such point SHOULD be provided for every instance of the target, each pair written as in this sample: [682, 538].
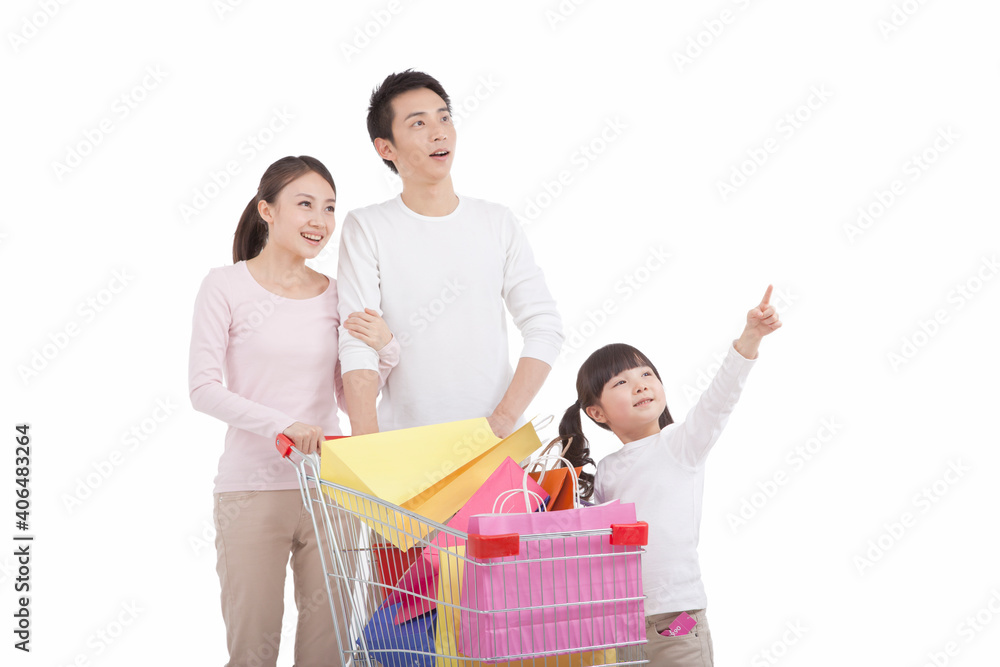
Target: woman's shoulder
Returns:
[220, 278]
[226, 273]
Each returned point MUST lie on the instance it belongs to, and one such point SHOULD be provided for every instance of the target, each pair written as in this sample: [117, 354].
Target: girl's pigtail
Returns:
[578, 450]
[251, 233]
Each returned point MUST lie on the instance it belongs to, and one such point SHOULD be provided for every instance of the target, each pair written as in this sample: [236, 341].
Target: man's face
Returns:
[423, 137]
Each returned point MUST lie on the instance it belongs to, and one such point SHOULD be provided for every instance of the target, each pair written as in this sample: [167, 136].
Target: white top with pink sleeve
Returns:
[260, 362]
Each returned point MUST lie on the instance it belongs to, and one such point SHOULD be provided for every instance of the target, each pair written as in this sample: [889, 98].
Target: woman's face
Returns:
[301, 218]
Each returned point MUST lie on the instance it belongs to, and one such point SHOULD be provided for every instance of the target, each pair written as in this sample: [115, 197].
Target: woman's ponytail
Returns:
[251, 233]
[577, 449]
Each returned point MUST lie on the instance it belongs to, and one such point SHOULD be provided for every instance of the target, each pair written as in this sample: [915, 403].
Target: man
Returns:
[440, 268]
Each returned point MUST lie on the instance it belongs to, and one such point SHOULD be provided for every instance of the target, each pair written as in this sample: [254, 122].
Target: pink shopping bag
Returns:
[421, 579]
[554, 594]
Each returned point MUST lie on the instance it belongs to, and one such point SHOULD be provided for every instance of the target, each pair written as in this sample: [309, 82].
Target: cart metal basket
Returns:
[592, 581]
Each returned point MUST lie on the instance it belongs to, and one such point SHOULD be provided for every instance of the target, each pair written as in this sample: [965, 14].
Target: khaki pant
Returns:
[255, 533]
[691, 650]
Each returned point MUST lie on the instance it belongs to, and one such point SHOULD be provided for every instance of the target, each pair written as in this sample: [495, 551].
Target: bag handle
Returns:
[541, 421]
[510, 493]
[534, 462]
[572, 471]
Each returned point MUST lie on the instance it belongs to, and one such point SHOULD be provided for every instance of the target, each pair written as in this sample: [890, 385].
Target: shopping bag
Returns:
[585, 659]
[421, 577]
[392, 564]
[407, 645]
[558, 484]
[570, 593]
[431, 471]
[449, 588]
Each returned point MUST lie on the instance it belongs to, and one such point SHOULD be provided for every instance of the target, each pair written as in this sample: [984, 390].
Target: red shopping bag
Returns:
[392, 563]
[421, 579]
[554, 594]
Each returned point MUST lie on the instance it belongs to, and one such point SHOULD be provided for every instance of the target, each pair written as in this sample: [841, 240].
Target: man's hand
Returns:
[502, 425]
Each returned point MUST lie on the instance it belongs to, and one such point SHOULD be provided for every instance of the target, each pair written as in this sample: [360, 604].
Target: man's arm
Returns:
[534, 313]
[357, 289]
[527, 380]
[360, 391]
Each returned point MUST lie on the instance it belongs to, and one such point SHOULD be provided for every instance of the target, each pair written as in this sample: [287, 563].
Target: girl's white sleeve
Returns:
[691, 440]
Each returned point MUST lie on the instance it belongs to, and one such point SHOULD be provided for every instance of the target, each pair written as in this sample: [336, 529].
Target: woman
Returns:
[264, 350]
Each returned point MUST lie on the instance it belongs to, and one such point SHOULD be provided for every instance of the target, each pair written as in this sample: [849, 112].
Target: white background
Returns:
[531, 87]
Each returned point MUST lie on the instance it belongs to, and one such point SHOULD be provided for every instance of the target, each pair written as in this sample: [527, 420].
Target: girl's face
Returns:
[301, 218]
[631, 404]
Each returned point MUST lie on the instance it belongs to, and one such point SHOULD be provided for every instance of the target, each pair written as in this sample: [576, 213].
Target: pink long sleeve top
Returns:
[260, 362]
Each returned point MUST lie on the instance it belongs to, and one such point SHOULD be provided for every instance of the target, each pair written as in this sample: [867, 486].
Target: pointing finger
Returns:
[767, 296]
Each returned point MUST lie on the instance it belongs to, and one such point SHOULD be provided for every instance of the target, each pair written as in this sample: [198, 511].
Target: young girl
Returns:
[264, 359]
[661, 468]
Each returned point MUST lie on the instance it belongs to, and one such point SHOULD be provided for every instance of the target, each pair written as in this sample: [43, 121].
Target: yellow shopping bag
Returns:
[429, 470]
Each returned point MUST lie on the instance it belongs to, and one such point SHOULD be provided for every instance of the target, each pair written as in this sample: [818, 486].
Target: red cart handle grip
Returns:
[630, 533]
[284, 444]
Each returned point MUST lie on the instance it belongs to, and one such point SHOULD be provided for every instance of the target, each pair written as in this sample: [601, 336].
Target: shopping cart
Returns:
[591, 612]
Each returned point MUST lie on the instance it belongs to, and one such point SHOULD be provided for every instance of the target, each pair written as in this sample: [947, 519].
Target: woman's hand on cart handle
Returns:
[307, 438]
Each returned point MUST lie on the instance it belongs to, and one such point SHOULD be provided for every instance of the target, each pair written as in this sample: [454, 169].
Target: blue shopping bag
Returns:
[409, 644]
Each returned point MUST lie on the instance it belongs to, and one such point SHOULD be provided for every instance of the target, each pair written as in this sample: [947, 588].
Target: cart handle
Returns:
[285, 445]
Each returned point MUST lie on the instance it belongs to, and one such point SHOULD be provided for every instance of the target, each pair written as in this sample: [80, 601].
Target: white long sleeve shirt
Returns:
[441, 284]
[664, 475]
